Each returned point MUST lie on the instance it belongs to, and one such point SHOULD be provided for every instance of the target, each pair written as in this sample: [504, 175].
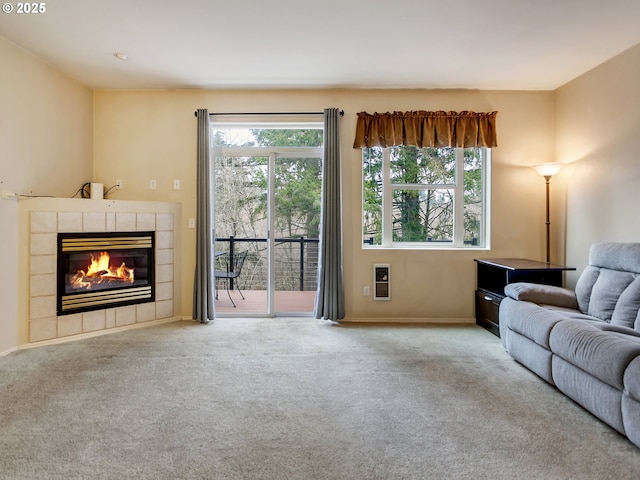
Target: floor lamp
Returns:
[548, 170]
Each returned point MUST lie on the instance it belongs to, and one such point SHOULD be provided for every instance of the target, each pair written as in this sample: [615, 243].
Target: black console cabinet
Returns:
[493, 274]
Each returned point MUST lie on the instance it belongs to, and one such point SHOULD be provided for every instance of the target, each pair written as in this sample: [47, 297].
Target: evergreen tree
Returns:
[298, 181]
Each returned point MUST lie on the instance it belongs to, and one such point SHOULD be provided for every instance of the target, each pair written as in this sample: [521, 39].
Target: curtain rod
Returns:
[268, 113]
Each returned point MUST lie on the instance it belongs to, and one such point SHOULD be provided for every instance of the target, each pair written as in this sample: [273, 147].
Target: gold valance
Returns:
[426, 129]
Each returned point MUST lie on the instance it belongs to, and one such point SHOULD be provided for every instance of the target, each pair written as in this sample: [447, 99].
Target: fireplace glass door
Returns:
[101, 270]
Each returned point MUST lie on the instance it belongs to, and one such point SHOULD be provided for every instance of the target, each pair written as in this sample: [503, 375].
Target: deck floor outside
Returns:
[255, 302]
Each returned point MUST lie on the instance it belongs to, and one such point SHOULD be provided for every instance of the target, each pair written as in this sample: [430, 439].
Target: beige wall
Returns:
[598, 135]
[45, 149]
[140, 135]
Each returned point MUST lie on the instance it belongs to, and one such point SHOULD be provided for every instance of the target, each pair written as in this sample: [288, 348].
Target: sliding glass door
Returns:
[296, 230]
[267, 211]
[242, 228]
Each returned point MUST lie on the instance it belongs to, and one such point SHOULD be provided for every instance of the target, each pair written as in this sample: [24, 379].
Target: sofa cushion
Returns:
[628, 306]
[528, 319]
[542, 294]
[596, 348]
[606, 292]
[530, 354]
[631, 418]
[612, 268]
[584, 285]
[632, 379]
[616, 256]
[602, 400]
[572, 313]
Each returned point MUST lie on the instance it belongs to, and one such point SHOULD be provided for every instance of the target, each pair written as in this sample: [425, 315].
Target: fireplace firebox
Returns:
[103, 270]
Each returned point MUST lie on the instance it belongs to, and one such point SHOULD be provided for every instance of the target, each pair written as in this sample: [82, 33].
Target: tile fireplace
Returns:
[146, 229]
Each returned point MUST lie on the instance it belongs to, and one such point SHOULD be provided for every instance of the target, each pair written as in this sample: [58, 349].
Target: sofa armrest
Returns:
[542, 294]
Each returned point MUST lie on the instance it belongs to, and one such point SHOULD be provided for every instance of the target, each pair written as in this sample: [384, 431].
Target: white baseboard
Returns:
[413, 321]
[7, 352]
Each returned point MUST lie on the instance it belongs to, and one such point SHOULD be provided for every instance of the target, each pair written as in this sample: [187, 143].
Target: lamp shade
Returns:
[548, 169]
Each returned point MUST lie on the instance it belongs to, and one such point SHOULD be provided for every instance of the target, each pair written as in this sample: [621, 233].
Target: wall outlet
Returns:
[176, 184]
[119, 184]
[366, 292]
[153, 184]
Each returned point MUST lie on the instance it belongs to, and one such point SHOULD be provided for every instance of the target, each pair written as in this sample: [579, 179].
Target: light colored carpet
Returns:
[294, 398]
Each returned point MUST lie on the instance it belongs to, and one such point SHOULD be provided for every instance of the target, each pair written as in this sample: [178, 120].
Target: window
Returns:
[425, 197]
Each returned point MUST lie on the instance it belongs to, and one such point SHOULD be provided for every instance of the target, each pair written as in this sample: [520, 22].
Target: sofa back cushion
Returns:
[606, 294]
[609, 287]
[616, 256]
[627, 311]
[584, 286]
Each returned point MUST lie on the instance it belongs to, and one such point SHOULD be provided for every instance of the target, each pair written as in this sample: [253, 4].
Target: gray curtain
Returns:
[330, 294]
[203, 285]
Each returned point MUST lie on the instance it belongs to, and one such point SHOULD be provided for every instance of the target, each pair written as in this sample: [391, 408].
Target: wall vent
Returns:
[381, 281]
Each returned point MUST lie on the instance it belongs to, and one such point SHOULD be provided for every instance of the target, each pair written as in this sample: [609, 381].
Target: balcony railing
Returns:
[295, 262]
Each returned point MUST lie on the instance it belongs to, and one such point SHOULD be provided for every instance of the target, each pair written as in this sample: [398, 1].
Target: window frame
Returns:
[457, 242]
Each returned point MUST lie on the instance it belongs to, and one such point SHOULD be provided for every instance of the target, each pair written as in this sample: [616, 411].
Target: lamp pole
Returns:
[547, 180]
[548, 170]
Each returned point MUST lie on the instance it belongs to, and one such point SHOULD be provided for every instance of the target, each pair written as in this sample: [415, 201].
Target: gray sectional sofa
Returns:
[585, 341]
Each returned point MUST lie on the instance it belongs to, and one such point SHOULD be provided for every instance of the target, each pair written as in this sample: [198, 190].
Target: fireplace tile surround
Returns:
[44, 226]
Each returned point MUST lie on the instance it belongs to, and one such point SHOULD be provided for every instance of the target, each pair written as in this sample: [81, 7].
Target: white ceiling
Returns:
[483, 44]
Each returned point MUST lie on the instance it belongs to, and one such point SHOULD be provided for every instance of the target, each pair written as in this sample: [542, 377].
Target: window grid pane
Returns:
[423, 166]
[473, 195]
[430, 193]
[423, 215]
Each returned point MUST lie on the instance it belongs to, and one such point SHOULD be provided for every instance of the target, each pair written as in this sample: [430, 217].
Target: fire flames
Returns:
[100, 271]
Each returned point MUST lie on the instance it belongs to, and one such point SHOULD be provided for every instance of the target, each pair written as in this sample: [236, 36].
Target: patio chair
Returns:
[230, 274]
